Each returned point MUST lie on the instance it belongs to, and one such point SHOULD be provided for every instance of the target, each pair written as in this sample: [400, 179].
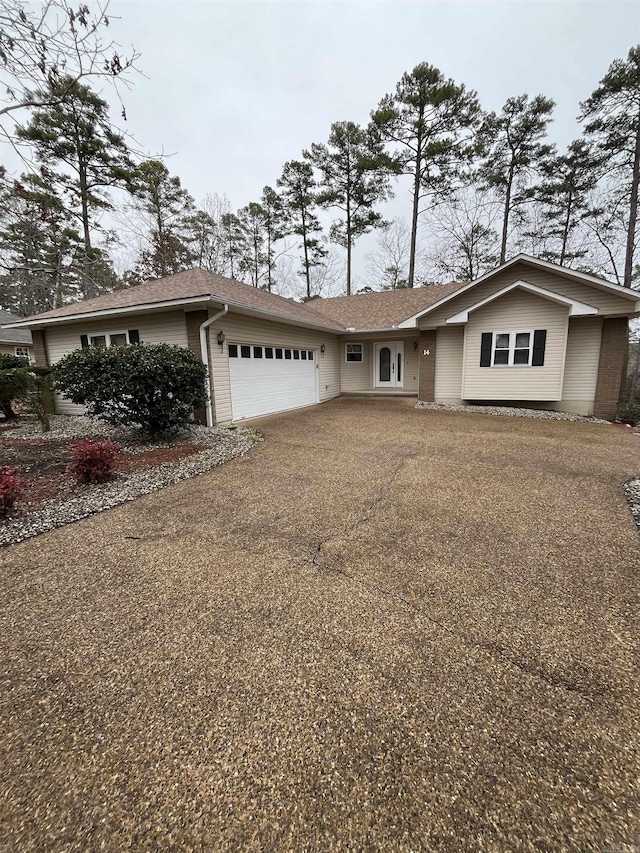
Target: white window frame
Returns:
[512, 347]
[354, 360]
[107, 336]
[25, 354]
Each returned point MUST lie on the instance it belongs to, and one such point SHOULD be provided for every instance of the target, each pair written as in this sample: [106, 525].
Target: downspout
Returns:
[204, 354]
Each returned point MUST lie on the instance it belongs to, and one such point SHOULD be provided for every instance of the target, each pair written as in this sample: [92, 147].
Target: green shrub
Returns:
[14, 382]
[40, 395]
[629, 413]
[154, 387]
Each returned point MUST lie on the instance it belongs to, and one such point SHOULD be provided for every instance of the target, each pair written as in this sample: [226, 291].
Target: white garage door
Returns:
[267, 379]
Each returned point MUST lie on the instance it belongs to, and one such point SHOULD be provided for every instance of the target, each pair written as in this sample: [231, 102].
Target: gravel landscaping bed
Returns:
[219, 446]
[632, 494]
[510, 412]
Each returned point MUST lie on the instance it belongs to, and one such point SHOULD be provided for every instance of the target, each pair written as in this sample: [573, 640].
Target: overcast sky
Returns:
[234, 89]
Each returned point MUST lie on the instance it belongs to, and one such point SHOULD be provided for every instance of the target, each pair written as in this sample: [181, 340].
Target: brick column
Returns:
[613, 358]
[427, 374]
[40, 348]
[194, 319]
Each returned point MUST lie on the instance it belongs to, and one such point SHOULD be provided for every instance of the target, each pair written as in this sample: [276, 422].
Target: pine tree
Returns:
[75, 139]
[168, 209]
[299, 195]
[515, 150]
[252, 221]
[612, 115]
[430, 119]
[354, 176]
[565, 194]
[275, 227]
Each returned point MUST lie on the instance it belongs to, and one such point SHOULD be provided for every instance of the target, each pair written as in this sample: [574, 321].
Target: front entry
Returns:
[388, 365]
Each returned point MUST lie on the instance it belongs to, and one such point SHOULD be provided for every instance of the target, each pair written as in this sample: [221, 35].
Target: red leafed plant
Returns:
[94, 461]
[11, 488]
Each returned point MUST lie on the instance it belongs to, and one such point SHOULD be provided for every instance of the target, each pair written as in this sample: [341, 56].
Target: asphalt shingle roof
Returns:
[362, 311]
[13, 336]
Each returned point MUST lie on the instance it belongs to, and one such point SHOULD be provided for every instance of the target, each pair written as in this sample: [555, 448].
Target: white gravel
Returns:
[510, 412]
[632, 494]
[224, 444]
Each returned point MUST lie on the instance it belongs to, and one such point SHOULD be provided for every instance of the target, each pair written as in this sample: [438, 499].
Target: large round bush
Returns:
[154, 387]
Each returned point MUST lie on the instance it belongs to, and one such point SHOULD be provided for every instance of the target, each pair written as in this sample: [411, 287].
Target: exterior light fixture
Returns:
[221, 338]
[322, 349]
[415, 346]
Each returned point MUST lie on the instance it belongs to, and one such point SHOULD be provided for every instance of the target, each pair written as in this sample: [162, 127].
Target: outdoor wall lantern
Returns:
[415, 346]
[221, 338]
[322, 349]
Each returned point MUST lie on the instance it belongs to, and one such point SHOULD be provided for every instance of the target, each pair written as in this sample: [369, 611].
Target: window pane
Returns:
[257, 352]
[287, 353]
[119, 340]
[385, 364]
[522, 340]
[233, 350]
[245, 352]
[278, 352]
[501, 356]
[98, 340]
[296, 354]
[310, 355]
[303, 354]
[502, 341]
[268, 352]
[521, 356]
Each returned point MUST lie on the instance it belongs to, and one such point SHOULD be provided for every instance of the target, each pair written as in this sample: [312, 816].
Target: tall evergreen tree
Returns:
[429, 119]
[565, 194]
[255, 260]
[75, 139]
[169, 209]
[612, 115]
[38, 247]
[234, 245]
[514, 150]
[300, 198]
[354, 176]
[275, 227]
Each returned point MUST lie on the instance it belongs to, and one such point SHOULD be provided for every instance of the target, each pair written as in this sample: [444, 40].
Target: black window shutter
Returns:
[84, 341]
[134, 336]
[539, 343]
[485, 349]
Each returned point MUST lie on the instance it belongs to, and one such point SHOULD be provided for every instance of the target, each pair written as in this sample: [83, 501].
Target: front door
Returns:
[389, 365]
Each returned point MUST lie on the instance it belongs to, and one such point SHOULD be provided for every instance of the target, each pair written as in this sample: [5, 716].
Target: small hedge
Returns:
[629, 413]
[152, 387]
[94, 461]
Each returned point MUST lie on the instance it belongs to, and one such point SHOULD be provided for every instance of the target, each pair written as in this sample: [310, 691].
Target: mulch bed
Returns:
[42, 464]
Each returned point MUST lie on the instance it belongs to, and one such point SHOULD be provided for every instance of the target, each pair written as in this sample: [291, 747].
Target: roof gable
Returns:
[575, 307]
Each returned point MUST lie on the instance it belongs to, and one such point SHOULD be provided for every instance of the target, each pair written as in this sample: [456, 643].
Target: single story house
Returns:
[14, 341]
[528, 332]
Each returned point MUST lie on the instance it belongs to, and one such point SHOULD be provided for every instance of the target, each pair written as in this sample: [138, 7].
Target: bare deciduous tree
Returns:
[388, 266]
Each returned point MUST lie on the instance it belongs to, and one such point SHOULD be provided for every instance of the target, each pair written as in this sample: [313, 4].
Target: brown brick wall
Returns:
[427, 374]
[40, 348]
[194, 319]
[613, 353]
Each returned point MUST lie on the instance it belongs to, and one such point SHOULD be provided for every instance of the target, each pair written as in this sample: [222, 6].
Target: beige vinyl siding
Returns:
[154, 328]
[250, 330]
[516, 311]
[359, 376]
[10, 349]
[449, 352]
[605, 302]
[581, 365]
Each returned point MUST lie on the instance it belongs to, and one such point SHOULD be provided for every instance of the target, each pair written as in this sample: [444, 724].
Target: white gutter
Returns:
[204, 354]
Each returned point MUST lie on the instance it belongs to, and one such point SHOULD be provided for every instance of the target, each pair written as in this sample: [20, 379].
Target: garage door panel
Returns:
[261, 386]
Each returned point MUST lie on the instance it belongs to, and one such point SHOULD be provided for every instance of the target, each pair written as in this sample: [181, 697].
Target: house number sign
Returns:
[426, 352]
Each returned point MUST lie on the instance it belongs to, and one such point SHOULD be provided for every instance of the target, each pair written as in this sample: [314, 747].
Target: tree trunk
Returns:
[565, 232]
[87, 286]
[505, 218]
[348, 248]
[306, 252]
[269, 259]
[633, 213]
[414, 217]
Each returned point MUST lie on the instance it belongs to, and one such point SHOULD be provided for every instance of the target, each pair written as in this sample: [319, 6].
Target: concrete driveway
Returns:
[383, 629]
